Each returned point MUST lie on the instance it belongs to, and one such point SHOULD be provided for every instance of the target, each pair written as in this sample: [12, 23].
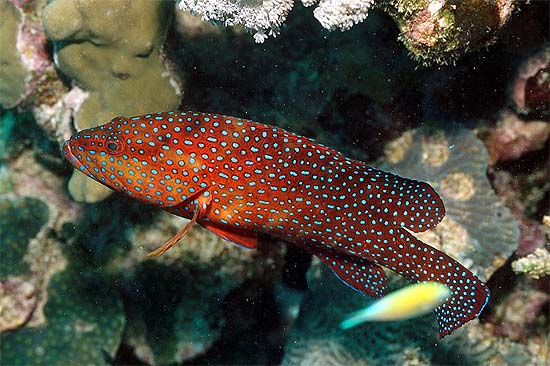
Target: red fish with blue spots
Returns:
[239, 178]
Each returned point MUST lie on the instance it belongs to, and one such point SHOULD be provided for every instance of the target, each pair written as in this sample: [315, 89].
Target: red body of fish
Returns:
[239, 178]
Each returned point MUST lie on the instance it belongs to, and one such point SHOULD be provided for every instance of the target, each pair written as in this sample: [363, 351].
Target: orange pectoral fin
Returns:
[201, 205]
[248, 241]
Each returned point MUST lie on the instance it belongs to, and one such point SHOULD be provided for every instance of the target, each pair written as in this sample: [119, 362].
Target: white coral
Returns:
[262, 16]
[341, 14]
[265, 17]
[535, 265]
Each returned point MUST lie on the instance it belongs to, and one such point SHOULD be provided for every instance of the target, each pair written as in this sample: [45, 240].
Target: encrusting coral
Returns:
[530, 91]
[441, 31]
[27, 75]
[536, 264]
[112, 50]
[12, 74]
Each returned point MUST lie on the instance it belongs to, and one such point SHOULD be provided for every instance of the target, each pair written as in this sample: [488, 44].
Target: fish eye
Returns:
[113, 146]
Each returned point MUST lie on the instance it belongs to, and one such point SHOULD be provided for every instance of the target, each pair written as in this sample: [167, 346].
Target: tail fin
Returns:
[469, 295]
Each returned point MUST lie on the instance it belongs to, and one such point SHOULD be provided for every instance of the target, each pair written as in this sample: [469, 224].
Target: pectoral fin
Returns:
[201, 205]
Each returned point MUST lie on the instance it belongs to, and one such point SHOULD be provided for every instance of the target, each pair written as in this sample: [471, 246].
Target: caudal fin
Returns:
[469, 295]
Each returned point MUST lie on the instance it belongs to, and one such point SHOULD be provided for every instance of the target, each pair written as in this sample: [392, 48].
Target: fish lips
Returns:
[71, 158]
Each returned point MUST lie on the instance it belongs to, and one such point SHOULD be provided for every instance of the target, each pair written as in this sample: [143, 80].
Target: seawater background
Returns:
[76, 285]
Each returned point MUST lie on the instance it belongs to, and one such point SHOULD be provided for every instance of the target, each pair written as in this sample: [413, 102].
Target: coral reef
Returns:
[75, 285]
[307, 89]
[262, 17]
[534, 254]
[522, 317]
[115, 57]
[84, 322]
[535, 265]
[477, 230]
[18, 295]
[193, 279]
[530, 91]
[340, 14]
[12, 74]
[435, 32]
[53, 311]
[27, 74]
[25, 212]
[454, 162]
[441, 31]
[79, 278]
[317, 340]
[513, 138]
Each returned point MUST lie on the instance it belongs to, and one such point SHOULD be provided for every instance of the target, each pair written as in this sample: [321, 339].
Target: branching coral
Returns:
[535, 265]
[341, 14]
[266, 17]
[262, 17]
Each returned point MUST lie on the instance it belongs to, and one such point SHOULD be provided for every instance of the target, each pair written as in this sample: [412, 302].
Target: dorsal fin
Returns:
[402, 202]
[297, 139]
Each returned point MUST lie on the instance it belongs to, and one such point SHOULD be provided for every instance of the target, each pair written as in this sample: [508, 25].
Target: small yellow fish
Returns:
[409, 302]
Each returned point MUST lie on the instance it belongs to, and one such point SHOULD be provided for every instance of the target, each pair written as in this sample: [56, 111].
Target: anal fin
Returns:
[358, 273]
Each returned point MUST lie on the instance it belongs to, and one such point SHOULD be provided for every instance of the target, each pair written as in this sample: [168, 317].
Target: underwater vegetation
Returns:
[453, 93]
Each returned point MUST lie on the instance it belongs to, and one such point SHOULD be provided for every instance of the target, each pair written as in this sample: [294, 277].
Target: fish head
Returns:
[133, 156]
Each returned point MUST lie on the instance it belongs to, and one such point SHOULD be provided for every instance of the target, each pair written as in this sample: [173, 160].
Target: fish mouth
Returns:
[75, 162]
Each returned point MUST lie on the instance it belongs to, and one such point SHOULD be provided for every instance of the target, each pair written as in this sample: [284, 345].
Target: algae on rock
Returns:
[27, 213]
[440, 32]
[85, 320]
[112, 50]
